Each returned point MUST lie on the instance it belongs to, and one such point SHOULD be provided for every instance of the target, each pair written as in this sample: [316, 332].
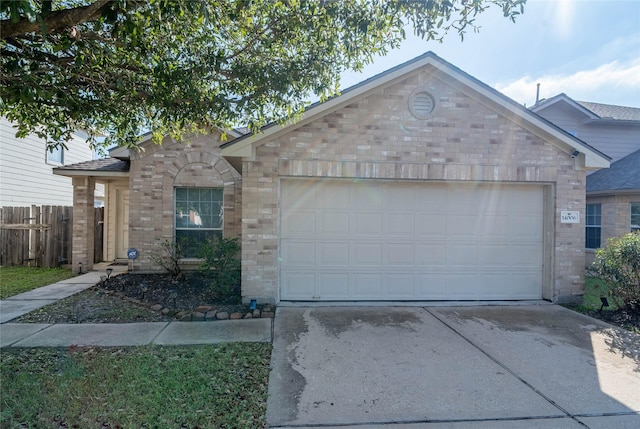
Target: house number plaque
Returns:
[567, 216]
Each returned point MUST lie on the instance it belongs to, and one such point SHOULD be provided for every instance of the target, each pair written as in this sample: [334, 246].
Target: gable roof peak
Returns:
[594, 111]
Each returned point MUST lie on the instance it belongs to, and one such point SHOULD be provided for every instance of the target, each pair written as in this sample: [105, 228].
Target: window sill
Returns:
[191, 261]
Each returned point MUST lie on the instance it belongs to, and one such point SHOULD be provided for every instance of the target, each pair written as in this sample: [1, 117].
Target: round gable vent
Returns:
[421, 104]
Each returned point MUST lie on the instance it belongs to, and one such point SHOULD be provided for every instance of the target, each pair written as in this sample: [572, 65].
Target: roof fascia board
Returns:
[120, 153]
[612, 192]
[613, 122]
[89, 173]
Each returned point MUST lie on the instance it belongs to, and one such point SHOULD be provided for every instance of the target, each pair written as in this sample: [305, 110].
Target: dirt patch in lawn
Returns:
[143, 298]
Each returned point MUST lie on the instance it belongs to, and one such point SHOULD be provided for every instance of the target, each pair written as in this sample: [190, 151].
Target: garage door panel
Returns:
[365, 254]
[432, 286]
[495, 228]
[462, 257]
[398, 286]
[333, 285]
[464, 286]
[298, 195]
[398, 255]
[410, 241]
[526, 201]
[333, 223]
[333, 254]
[296, 285]
[431, 225]
[332, 195]
[522, 285]
[496, 255]
[366, 224]
[430, 255]
[525, 255]
[366, 285]
[430, 200]
[462, 226]
[398, 198]
[299, 223]
[366, 196]
[527, 227]
[399, 224]
[299, 254]
[463, 199]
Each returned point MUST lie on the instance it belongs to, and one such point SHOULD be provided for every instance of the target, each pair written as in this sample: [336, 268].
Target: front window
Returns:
[593, 226]
[635, 217]
[199, 217]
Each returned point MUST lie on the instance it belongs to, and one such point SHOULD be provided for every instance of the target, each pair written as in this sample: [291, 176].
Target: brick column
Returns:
[83, 224]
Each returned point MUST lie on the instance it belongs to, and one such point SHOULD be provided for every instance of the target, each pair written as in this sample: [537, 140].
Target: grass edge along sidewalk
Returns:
[150, 386]
[16, 280]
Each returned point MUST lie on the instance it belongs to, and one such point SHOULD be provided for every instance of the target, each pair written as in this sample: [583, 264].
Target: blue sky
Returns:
[588, 49]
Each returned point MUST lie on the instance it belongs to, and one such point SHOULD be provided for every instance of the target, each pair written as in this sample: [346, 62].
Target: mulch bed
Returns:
[622, 318]
[148, 298]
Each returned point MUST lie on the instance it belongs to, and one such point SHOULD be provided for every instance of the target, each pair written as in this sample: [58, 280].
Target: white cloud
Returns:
[613, 83]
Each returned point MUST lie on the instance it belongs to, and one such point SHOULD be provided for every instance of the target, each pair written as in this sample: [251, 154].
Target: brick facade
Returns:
[154, 175]
[82, 253]
[376, 137]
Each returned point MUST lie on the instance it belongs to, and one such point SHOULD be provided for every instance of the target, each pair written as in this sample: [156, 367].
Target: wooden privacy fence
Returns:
[41, 235]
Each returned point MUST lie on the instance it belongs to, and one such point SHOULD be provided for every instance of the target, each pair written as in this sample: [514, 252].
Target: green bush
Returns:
[618, 266]
[221, 261]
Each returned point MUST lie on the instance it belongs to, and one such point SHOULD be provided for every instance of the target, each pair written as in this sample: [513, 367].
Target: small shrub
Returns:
[169, 255]
[618, 266]
[221, 261]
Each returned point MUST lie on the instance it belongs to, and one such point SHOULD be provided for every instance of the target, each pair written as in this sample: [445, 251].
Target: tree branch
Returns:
[55, 21]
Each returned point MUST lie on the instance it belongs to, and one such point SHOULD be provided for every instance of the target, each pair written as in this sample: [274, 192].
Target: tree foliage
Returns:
[116, 67]
[618, 265]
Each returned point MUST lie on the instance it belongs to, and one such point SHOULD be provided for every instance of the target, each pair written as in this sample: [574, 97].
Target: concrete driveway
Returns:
[534, 366]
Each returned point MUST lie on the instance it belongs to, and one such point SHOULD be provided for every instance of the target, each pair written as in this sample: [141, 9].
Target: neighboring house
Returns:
[613, 202]
[25, 169]
[421, 183]
[613, 195]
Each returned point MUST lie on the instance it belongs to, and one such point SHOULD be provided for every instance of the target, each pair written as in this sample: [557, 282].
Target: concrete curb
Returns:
[134, 334]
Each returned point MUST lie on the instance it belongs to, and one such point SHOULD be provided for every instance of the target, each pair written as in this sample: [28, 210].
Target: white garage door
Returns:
[371, 240]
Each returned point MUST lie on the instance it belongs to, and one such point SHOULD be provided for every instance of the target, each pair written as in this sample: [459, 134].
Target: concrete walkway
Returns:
[113, 334]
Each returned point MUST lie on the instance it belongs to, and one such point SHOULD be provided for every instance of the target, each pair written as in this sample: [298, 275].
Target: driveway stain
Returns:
[336, 321]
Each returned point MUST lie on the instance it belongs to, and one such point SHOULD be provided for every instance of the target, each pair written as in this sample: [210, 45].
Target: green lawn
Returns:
[593, 290]
[15, 280]
[144, 387]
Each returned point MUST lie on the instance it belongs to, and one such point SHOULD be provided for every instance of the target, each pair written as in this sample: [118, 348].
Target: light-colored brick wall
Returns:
[82, 253]
[154, 175]
[616, 217]
[377, 138]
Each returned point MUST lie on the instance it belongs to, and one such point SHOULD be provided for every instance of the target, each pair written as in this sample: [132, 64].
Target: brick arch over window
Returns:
[206, 170]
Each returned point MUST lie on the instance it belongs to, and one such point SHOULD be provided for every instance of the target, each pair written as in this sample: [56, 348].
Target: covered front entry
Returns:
[347, 240]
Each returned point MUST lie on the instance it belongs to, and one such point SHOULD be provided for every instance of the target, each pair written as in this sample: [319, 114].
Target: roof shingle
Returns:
[623, 175]
[609, 111]
[103, 165]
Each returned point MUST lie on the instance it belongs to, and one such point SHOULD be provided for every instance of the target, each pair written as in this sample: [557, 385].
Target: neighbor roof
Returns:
[610, 111]
[596, 112]
[623, 175]
[244, 146]
[98, 167]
